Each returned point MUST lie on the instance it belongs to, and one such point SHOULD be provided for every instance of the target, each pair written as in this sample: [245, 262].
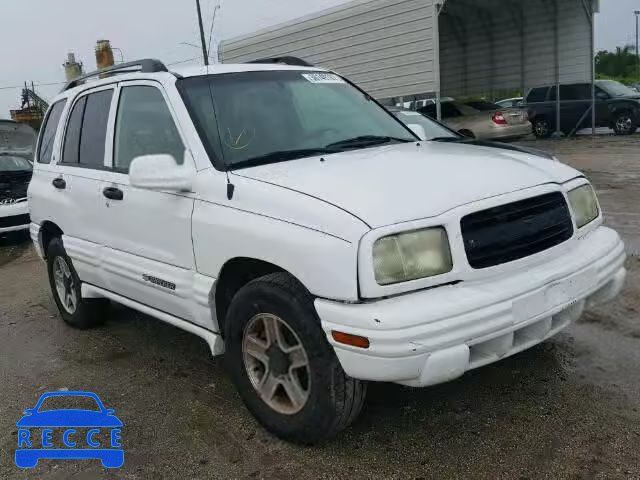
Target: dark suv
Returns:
[617, 107]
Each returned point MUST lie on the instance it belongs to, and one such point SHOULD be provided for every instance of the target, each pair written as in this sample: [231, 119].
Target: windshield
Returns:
[251, 118]
[67, 402]
[9, 163]
[616, 89]
[17, 138]
[431, 128]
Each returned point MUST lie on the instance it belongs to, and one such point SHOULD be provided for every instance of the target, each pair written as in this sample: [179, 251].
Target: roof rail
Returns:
[284, 60]
[146, 65]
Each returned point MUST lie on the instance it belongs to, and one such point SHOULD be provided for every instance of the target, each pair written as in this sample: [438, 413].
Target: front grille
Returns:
[14, 221]
[516, 230]
[15, 186]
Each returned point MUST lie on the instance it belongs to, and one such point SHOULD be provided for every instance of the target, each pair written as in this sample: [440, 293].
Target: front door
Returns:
[149, 255]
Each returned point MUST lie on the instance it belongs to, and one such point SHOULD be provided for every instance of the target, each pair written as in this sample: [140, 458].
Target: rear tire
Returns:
[541, 127]
[325, 400]
[623, 123]
[65, 285]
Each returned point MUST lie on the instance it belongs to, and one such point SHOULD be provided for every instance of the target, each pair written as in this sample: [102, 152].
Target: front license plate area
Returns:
[553, 295]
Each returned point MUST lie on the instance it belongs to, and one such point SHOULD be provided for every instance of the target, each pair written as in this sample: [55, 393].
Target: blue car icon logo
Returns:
[83, 432]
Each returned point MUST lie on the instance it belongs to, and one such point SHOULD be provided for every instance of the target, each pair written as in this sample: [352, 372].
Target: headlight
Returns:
[584, 205]
[411, 255]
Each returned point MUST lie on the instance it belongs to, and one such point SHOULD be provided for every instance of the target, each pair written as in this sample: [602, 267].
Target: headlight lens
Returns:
[584, 205]
[411, 255]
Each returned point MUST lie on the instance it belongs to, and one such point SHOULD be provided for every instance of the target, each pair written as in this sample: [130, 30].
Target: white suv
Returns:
[285, 217]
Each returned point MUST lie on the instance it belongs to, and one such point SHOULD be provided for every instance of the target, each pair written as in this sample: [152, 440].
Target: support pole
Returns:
[436, 57]
[556, 44]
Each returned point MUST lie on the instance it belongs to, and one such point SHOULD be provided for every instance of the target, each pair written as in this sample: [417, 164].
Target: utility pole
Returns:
[202, 40]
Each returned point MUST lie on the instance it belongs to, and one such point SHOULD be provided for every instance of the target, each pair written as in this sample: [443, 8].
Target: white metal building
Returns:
[406, 48]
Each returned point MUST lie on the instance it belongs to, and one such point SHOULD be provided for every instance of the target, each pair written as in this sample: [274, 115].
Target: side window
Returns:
[72, 137]
[579, 91]
[87, 130]
[552, 94]
[144, 126]
[94, 128]
[537, 95]
[49, 130]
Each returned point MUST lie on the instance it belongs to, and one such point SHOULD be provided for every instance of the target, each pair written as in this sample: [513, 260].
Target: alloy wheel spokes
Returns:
[276, 363]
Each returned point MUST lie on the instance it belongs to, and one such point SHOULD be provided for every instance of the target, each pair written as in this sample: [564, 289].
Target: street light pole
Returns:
[202, 40]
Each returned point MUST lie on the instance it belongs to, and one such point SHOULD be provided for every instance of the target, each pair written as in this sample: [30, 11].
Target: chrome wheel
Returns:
[624, 124]
[276, 362]
[65, 285]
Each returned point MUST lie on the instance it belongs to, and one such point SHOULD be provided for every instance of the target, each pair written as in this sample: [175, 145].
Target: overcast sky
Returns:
[35, 35]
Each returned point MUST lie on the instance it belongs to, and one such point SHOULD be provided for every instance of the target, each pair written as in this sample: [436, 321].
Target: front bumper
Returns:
[432, 336]
[12, 217]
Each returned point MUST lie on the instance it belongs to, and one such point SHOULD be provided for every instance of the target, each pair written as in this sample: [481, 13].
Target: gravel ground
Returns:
[568, 408]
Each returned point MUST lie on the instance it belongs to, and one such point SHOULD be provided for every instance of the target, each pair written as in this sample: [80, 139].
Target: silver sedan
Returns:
[484, 120]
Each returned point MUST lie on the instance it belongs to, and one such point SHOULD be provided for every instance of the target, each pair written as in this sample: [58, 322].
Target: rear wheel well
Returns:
[235, 274]
[48, 231]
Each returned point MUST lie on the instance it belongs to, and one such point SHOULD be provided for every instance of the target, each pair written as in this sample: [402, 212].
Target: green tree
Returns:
[621, 65]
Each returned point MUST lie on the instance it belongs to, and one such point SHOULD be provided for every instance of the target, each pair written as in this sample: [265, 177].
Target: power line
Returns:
[35, 85]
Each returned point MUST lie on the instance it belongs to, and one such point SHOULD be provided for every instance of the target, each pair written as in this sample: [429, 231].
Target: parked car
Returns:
[281, 214]
[433, 130]
[515, 102]
[17, 141]
[416, 104]
[617, 107]
[490, 123]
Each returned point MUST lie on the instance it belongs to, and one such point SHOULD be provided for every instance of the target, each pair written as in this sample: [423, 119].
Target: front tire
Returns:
[286, 372]
[65, 285]
[541, 127]
[623, 124]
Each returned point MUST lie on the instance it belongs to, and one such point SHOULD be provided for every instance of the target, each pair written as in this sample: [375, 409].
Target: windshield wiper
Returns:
[364, 141]
[449, 139]
[279, 156]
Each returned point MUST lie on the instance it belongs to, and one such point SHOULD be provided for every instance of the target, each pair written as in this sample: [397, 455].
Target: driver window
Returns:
[144, 126]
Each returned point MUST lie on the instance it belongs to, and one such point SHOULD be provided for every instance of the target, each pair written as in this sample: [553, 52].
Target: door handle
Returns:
[59, 183]
[113, 193]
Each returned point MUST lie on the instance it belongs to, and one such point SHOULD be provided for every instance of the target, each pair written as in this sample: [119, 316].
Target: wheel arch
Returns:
[235, 274]
[48, 231]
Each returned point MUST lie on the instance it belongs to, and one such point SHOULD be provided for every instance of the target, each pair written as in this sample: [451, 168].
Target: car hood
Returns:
[69, 418]
[402, 182]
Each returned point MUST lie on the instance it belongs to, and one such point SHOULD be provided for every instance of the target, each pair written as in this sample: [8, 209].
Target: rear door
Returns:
[149, 254]
[575, 100]
[78, 174]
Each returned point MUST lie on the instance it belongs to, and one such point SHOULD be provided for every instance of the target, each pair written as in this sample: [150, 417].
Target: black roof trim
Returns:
[146, 65]
[286, 60]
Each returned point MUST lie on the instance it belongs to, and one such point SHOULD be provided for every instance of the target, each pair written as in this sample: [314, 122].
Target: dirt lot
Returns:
[569, 408]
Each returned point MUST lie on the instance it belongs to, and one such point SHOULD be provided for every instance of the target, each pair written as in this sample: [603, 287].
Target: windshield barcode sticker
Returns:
[322, 78]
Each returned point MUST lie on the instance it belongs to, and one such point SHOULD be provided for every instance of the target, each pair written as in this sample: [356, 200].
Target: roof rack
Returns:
[284, 60]
[146, 65]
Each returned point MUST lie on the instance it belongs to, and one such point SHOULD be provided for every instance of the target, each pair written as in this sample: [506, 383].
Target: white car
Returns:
[285, 217]
[17, 141]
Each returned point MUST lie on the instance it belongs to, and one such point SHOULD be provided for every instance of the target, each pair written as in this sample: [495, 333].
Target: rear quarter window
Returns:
[49, 129]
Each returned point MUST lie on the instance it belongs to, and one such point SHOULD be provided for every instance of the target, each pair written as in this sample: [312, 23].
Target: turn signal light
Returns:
[348, 339]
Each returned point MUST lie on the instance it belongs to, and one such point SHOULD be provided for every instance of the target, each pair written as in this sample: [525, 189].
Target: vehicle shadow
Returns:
[13, 245]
